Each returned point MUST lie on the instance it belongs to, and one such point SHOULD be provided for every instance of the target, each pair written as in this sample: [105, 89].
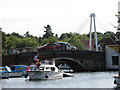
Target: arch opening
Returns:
[73, 64]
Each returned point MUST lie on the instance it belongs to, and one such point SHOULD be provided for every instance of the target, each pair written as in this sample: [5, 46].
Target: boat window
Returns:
[53, 68]
[3, 69]
[33, 68]
[20, 68]
[12, 68]
[30, 68]
[48, 68]
[41, 68]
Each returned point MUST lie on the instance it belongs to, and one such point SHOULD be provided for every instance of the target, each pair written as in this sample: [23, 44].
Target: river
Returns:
[79, 80]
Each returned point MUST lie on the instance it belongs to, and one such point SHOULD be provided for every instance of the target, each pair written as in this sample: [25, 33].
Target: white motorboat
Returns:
[44, 72]
[117, 80]
[67, 75]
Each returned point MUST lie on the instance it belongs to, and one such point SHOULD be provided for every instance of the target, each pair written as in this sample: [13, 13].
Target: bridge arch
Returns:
[75, 65]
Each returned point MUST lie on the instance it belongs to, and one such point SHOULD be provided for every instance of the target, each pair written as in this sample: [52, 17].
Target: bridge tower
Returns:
[92, 18]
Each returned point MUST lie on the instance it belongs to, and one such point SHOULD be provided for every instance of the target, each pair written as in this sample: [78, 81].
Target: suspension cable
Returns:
[106, 27]
[81, 27]
[84, 25]
[105, 31]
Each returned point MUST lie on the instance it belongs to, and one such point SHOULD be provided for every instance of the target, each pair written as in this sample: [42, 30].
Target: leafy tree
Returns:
[11, 42]
[27, 34]
[108, 34]
[52, 39]
[76, 42]
[48, 32]
[40, 40]
[17, 35]
[63, 36]
[28, 42]
[83, 36]
[3, 39]
[56, 35]
[44, 41]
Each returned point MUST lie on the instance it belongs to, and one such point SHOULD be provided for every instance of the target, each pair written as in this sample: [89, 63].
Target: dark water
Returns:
[80, 80]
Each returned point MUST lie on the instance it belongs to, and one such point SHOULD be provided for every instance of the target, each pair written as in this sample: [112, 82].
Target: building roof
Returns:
[115, 47]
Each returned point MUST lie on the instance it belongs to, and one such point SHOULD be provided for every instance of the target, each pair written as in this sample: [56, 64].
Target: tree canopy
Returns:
[14, 40]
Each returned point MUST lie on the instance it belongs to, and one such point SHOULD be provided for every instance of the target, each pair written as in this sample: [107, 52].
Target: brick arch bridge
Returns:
[78, 60]
[72, 63]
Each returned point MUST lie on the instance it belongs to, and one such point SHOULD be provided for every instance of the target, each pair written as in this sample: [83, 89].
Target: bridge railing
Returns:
[16, 51]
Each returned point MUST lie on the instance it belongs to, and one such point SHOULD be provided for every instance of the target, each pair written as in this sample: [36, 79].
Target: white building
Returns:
[112, 54]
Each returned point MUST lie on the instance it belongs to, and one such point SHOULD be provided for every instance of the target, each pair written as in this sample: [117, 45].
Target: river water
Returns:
[79, 80]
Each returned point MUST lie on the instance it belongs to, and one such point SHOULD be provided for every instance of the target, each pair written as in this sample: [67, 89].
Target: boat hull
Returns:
[44, 75]
[4, 75]
[15, 74]
[117, 80]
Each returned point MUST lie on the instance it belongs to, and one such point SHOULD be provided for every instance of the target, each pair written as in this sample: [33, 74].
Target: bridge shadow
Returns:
[73, 64]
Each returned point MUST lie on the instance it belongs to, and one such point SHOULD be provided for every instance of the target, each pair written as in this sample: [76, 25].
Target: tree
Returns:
[27, 34]
[17, 35]
[76, 42]
[63, 36]
[3, 39]
[99, 35]
[11, 42]
[40, 40]
[28, 42]
[108, 34]
[48, 32]
[56, 35]
[52, 39]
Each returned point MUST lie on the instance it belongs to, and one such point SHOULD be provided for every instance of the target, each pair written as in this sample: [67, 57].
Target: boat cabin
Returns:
[44, 67]
[3, 70]
[48, 68]
[17, 68]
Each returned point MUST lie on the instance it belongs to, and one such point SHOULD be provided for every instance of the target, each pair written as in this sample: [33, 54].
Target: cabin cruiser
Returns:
[12, 71]
[17, 70]
[44, 72]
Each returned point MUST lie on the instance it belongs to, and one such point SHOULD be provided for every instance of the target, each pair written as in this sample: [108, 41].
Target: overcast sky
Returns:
[64, 16]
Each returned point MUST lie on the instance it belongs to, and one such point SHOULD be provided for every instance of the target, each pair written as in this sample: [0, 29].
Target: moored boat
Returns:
[67, 75]
[17, 70]
[44, 72]
[117, 80]
[4, 72]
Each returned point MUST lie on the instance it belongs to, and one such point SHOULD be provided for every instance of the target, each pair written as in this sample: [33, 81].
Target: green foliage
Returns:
[14, 40]
[28, 42]
[11, 42]
[83, 36]
[3, 39]
[44, 41]
[108, 34]
[48, 32]
[64, 36]
[17, 35]
[49, 40]
[52, 39]
[75, 41]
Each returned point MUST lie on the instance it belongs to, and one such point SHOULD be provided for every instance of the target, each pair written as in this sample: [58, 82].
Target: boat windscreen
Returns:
[12, 68]
[41, 68]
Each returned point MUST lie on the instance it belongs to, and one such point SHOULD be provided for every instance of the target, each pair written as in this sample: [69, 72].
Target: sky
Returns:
[64, 16]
